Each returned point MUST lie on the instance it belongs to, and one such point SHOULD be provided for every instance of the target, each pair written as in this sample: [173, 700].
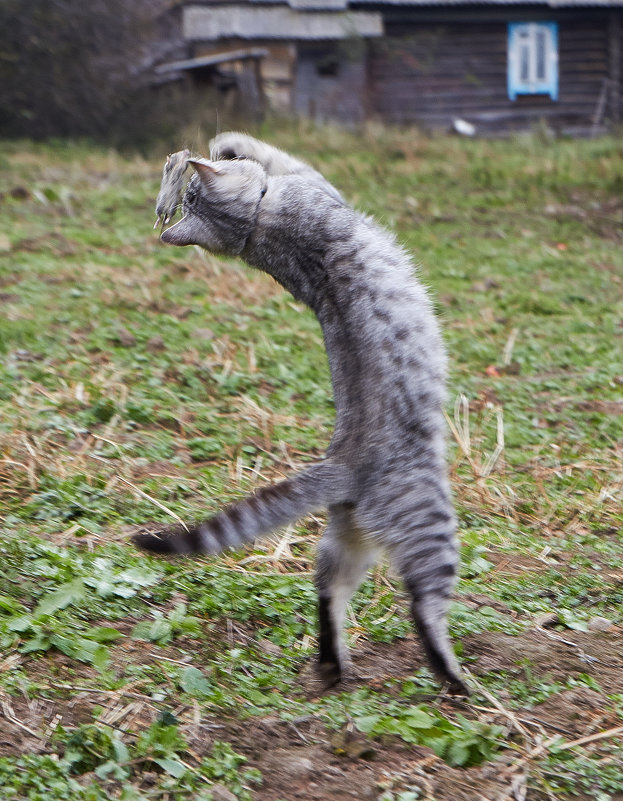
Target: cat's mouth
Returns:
[164, 219]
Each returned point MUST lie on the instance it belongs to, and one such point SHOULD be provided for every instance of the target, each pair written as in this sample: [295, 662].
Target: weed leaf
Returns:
[65, 595]
[172, 766]
[19, 624]
[103, 634]
[195, 683]
[158, 630]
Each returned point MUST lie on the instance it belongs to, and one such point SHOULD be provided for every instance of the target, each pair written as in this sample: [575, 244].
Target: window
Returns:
[328, 67]
[532, 59]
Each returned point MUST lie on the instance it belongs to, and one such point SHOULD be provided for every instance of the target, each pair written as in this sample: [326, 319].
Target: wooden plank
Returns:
[435, 72]
[614, 54]
[456, 106]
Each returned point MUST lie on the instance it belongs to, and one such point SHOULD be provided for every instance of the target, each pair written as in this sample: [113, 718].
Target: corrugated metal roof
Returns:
[546, 3]
[334, 5]
[319, 5]
[277, 22]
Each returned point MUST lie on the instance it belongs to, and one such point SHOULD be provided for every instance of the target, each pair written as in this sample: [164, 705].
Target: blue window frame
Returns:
[533, 59]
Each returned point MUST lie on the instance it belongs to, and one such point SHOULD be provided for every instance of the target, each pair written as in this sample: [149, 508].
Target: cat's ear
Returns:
[184, 232]
[204, 170]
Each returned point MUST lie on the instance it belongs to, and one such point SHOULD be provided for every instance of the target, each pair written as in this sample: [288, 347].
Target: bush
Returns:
[70, 68]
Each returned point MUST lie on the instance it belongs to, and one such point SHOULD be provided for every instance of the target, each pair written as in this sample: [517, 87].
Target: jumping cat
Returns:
[384, 479]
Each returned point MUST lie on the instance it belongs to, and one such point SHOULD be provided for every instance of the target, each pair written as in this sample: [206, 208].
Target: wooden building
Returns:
[500, 65]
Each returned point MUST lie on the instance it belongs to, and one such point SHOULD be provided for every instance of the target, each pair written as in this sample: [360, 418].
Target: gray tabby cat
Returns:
[383, 480]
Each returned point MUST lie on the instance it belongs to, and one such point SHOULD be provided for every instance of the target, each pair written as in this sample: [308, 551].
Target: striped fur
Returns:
[264, 511]
[228, 146]
[384, 478]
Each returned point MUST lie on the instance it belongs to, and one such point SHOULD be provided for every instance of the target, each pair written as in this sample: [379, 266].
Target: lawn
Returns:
[143, 383]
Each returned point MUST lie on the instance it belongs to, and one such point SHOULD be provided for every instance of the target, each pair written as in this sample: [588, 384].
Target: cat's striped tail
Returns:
[321, 485]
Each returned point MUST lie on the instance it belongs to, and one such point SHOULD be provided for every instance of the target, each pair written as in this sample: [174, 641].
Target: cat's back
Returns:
[383, 342]
[365, 277]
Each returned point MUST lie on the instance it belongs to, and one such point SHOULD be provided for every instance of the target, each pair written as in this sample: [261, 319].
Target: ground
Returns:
[139, 383]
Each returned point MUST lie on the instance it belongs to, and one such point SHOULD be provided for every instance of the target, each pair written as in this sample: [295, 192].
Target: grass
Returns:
[139, 382]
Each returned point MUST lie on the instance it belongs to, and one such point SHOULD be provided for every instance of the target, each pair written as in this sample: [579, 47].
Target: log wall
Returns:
[428, 73]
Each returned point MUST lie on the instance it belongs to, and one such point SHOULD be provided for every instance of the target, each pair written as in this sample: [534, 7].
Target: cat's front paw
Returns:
[231, 145]
[330, 673]
[457, 686]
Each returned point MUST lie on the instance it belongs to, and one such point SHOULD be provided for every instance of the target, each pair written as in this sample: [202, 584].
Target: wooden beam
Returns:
[212, 60]
[259, 83]
[614, 71]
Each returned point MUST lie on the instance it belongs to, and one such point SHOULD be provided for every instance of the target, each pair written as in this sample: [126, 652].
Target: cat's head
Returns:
[220, 206]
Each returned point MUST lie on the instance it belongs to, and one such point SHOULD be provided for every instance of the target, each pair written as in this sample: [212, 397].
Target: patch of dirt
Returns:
[514, 564]
[604, 218]
[8, 279]
[28, 723]
[299, 759]
[578, 712]
[55, 244]
[601, 406]
[373, 664]
[557, 655]
[545, 401]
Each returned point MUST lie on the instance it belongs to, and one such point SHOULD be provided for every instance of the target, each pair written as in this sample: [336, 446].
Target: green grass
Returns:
[138, 381]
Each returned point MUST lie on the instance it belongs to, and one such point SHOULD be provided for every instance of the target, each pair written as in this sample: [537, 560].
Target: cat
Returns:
[230, 146]
[384, 477]
[275, 162]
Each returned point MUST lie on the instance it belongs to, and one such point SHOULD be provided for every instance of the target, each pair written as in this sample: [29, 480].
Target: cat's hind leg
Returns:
[429, 614]
[428, 567]
[344, 557]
